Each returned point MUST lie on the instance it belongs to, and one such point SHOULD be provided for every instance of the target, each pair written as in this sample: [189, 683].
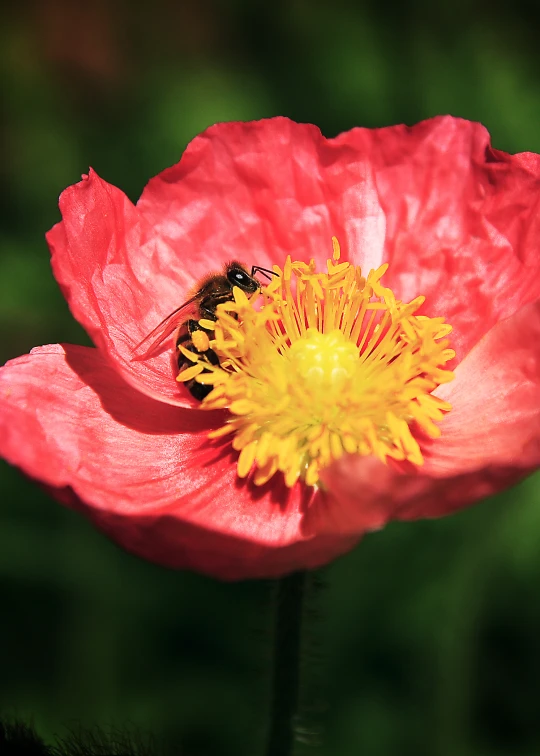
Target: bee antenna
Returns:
[265, 271]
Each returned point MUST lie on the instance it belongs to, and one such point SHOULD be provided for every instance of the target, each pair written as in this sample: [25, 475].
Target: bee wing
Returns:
[151, 343]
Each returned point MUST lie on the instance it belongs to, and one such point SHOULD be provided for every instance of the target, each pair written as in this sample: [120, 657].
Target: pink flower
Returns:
[121, 440]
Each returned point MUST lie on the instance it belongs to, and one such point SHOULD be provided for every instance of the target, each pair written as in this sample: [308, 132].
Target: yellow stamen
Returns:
[330, 364]
[190, 372]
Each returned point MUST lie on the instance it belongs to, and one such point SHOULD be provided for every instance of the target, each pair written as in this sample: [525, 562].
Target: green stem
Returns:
[295, 704]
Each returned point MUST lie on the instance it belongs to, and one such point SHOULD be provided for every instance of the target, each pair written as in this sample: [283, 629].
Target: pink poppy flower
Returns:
[330, 404]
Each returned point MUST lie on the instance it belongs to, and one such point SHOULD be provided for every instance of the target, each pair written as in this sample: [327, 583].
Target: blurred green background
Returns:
[433, 627]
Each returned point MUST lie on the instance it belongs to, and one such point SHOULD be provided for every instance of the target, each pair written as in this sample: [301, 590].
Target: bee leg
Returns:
[185, 338]
[208, 310]
[197, 390]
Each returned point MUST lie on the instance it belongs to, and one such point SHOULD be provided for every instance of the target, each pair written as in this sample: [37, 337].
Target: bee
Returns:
[211, 291]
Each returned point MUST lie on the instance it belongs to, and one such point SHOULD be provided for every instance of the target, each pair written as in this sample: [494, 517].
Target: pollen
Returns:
[322, 364]
[200, 341]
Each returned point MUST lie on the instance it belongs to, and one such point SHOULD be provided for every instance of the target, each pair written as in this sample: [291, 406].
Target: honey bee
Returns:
[211, 291]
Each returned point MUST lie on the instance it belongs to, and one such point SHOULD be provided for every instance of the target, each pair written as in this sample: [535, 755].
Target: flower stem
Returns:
[296, 699]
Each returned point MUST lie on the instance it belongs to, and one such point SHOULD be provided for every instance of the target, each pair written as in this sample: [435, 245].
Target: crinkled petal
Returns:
[104, 258]
[261, 190]
[462, 221]
[490, 439]
[146, 473]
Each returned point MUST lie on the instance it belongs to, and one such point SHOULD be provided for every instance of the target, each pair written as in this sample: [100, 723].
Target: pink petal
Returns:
[145, 472]
[261, 190]
[462, 221]
[495, 398]
[104, 259]
[369, 494]
[490, 439]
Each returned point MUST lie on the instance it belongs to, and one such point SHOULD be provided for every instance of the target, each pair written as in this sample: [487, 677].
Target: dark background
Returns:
[433, 627]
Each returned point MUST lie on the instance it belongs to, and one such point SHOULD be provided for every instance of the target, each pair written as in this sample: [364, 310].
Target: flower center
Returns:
[329, 363]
